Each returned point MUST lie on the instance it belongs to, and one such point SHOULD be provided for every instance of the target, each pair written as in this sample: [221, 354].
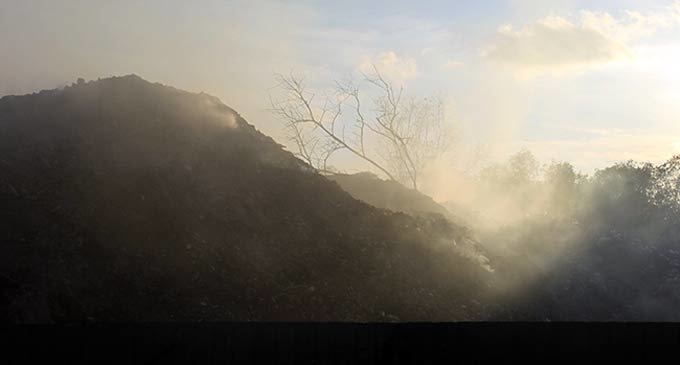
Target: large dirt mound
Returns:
[127, 200]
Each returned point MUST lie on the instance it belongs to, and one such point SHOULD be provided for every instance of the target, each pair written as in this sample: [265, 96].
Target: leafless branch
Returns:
[409, 131]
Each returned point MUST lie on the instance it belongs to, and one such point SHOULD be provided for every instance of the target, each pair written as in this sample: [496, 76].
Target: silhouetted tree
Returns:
[407, 132]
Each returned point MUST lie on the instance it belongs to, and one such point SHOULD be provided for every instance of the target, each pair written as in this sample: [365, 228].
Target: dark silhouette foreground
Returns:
[126, 200]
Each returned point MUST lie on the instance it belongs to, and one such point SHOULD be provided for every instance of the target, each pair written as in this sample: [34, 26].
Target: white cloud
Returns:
[552, 43]
[390, 65]
[555, 44]
[634, 25]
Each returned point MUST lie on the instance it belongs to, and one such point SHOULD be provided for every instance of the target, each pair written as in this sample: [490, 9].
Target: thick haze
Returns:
[588, 82]
[537, 212]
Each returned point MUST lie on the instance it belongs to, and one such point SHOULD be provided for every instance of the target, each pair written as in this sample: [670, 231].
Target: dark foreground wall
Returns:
[337, 343]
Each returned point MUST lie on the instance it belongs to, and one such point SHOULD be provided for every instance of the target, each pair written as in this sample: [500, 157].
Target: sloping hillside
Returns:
[393, 196]
[387, 194]
[126, 200]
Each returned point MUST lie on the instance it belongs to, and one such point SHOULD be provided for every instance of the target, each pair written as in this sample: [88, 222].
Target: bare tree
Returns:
[407, 132]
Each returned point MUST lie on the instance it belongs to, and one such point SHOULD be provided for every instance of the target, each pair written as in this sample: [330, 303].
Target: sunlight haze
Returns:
[590, 82]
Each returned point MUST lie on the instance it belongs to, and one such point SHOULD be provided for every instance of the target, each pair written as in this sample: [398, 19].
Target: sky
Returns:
[589, 82]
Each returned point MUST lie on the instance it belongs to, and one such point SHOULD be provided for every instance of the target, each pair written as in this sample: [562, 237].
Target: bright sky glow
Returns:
[590, 82]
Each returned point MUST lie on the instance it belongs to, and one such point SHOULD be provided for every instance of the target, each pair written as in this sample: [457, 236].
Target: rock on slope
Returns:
[127, 200]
